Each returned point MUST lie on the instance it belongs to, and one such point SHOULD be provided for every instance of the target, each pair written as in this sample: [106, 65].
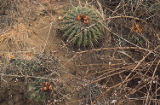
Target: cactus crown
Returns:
[82, 26]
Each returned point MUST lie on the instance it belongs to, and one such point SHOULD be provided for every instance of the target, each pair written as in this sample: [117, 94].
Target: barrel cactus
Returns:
[82, 26]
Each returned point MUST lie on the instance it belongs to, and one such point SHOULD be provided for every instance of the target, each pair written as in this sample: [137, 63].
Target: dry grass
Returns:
[123, 71]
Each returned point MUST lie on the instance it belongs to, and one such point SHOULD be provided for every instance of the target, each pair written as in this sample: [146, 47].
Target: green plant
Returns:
[40, 92]
[34, 73]
[82, 26]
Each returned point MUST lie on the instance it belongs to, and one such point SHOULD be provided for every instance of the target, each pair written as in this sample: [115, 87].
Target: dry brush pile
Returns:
[127, 70]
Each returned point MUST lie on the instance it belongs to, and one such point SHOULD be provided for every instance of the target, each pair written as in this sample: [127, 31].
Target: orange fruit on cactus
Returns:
[86, 22]
[50, 87]
[47, 83]
[44, 89]
[78, 17]
[85, 17]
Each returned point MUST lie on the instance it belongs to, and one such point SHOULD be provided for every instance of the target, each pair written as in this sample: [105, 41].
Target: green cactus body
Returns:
[82, 26]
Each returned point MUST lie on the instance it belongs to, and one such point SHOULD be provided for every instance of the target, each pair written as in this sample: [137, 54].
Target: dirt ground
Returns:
[36, 32]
